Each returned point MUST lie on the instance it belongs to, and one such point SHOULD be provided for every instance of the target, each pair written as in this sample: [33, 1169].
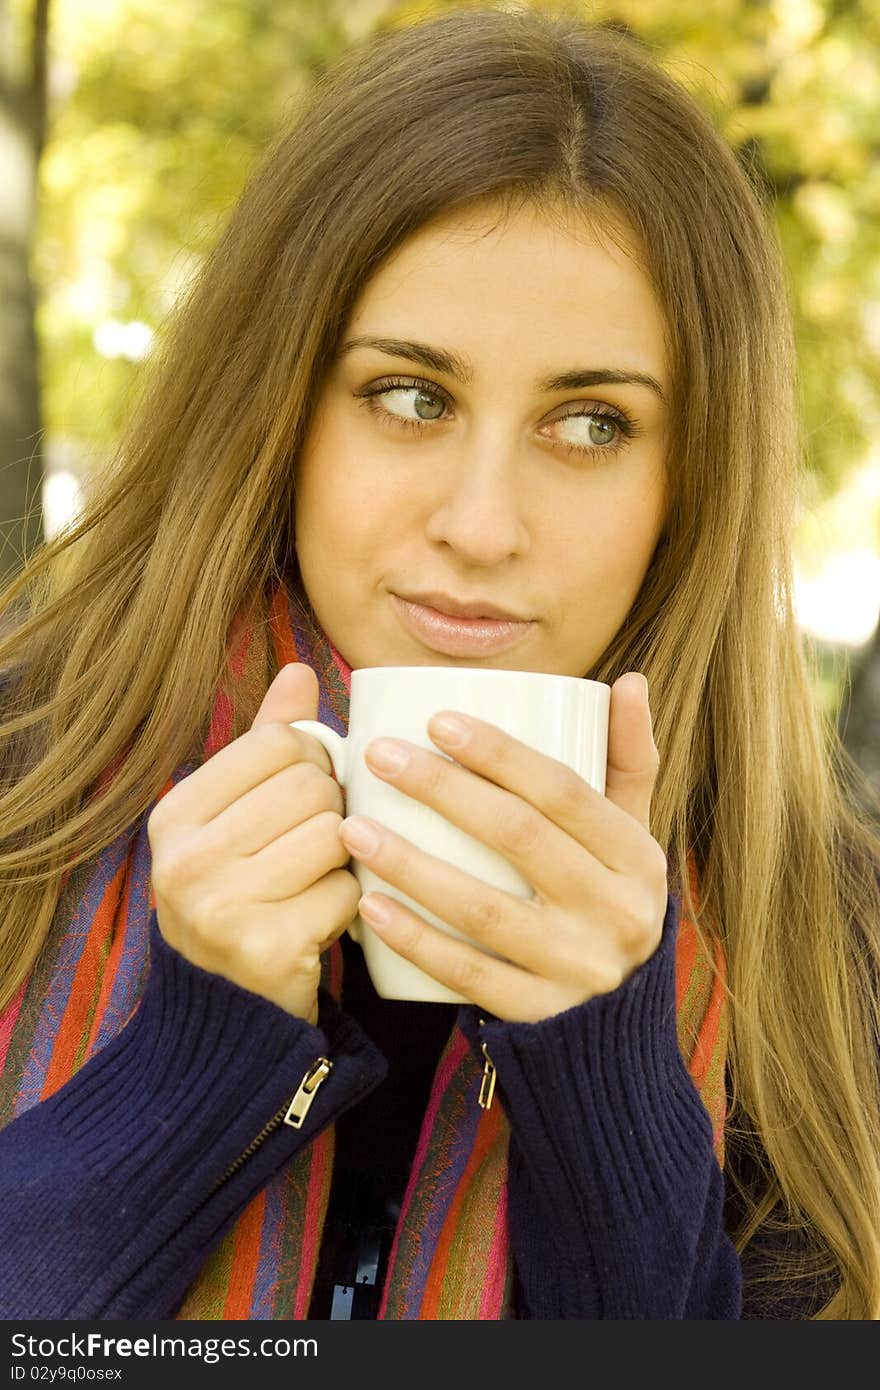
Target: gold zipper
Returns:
[300, 1105]
[487, 1085]
[292, 1113]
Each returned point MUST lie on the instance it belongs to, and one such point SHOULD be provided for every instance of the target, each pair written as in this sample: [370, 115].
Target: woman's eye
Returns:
[413, 402]
[591, 428]
[416, 405]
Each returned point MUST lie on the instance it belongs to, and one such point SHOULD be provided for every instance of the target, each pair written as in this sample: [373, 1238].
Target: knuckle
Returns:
[172, 871]
[570, 794]
[482, 915]
[517, 829]
[604, 977]
[280, 740]
[638, 924]
[320, 788]
[184, 863]
[468, 975]
[326, 824]
[204, 920]
[158, 821]
[204, 917]
[662, 867]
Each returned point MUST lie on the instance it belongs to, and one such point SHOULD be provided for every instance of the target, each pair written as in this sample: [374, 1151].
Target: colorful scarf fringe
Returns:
[451, 1257]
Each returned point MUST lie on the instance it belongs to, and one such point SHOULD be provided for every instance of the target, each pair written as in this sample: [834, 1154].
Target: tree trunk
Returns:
[22, 129]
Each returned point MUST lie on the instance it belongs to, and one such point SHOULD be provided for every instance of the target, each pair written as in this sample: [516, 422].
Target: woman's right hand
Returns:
[248, 867]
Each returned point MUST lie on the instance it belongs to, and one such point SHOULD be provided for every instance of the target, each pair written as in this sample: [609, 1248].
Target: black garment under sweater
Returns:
[375, 1144]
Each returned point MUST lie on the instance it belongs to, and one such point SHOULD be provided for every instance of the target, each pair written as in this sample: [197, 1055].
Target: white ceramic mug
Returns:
[565, 717]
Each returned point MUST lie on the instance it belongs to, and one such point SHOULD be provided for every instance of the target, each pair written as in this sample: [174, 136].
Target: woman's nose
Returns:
[479, 513]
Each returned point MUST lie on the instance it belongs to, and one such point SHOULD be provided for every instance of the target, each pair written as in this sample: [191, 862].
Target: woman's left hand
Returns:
[599, 877]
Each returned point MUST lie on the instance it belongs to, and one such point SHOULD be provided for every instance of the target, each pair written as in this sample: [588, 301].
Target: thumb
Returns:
[633, 760]
[292, 695]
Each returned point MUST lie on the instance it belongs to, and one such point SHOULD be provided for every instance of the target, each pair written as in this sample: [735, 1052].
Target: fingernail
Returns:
[387, 755]
[360, 835]
[374, 910]
[449, 730]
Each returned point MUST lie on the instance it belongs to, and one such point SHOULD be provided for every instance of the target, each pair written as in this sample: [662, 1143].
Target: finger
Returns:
[564, 798]
[235, 769]
[633, 759]
[551, 836]
[501, 922]
[278, 805]
[330, 901]
[498, 986]
[293, 694]
[290, 864]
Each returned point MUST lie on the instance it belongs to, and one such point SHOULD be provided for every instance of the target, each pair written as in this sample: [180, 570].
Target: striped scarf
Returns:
[450, 1258]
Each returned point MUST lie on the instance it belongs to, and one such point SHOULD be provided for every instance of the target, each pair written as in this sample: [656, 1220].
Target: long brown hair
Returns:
[116, 631]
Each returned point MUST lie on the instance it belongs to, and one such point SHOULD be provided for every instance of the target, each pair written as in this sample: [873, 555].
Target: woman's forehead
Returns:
[466, 283]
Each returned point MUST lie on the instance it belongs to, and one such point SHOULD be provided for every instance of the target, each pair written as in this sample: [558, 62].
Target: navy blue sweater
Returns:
[109, 1195]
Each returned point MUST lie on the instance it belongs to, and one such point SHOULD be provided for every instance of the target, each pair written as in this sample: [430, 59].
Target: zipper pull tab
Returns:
[487, 1085]
[308, 1089]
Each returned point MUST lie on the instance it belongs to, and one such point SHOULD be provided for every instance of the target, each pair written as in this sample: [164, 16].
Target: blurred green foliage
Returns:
[158, 112]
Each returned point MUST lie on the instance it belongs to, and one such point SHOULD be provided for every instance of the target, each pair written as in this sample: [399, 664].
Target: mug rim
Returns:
[480, 671]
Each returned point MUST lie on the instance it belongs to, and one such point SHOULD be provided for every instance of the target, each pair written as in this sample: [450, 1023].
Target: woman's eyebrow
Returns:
[451, 364]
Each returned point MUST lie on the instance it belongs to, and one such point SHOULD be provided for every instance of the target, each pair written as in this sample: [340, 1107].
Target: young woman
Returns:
[500, 324]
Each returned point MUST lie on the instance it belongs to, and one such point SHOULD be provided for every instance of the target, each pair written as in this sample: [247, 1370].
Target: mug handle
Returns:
[335, 746]
[330, 740]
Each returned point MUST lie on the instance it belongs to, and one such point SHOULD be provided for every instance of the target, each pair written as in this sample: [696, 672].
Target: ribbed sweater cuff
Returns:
[602, 1090]
[198, 1071]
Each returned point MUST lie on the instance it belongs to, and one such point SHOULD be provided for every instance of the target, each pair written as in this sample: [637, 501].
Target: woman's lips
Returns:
[458, 636]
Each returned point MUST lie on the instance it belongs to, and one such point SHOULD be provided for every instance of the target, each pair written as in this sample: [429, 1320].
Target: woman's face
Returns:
[476, 450]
